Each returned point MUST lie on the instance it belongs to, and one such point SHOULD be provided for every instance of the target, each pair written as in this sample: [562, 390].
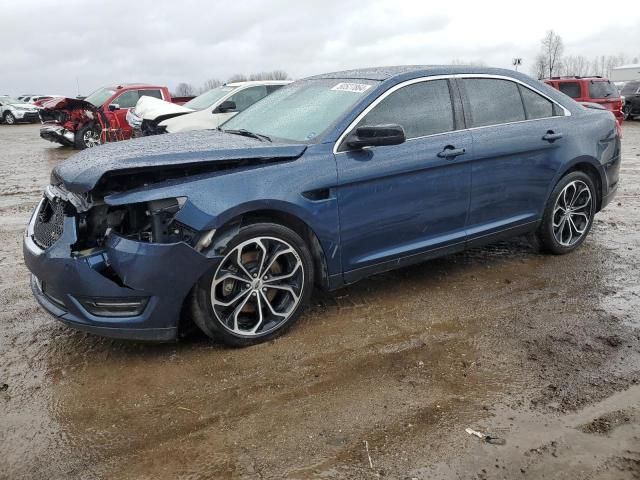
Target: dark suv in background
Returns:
[590, 90]
[631, 94]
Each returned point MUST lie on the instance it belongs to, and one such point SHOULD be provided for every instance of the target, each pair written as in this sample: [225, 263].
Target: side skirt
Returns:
[360, 273]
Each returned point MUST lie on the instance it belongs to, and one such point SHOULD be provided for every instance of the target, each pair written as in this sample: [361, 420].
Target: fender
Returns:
[570, 165]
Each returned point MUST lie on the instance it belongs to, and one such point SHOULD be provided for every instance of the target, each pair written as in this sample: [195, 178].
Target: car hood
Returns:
[149, 108]
[66, 103]
[23, 105]
[81, 173]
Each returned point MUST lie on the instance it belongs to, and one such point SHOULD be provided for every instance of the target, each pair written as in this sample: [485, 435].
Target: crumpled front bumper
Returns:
[57, 134]
[165, 273]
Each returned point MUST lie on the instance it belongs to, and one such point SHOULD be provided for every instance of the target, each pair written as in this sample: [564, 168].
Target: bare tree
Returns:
[280, 75]
[210, 84]
[273, 75]
[575, 65]
[237, 77]
[459, 61]
[552, 49]
[184, 90]
[539, 67]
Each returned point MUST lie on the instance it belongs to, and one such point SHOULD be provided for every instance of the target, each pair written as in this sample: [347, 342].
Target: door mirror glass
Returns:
[376, 136]
[225, 107]
[113, 107]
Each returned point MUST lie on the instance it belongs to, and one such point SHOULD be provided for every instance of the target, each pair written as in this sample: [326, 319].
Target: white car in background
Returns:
[207, 111]
[13, 111]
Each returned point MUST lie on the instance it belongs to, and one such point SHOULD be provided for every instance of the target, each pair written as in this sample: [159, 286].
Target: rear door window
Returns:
[493, 101]
[571, 89]
[150, 93]
[422, 109]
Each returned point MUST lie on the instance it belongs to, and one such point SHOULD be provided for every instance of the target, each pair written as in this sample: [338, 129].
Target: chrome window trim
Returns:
[373, 104]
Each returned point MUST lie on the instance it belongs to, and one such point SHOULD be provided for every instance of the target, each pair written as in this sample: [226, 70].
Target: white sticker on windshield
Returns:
[352, 87]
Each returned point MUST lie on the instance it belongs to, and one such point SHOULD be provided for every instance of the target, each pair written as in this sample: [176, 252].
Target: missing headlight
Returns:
[152, 221]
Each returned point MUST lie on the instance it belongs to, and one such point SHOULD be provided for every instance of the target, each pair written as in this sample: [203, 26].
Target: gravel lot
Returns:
[377, 380]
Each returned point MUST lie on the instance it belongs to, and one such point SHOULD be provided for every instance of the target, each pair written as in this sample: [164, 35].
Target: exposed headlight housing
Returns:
[153, 222]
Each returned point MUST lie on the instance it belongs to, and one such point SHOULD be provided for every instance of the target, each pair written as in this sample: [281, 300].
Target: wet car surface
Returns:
[379, 379]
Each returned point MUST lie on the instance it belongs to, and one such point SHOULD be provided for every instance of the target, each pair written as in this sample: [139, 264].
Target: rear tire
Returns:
[568, 215]
[259, 289]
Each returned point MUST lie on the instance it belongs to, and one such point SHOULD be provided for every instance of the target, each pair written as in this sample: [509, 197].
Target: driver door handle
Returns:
[450, 152]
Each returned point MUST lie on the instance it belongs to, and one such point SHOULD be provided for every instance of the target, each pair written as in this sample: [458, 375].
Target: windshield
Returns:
[208, 98]
[631, 88]
[10, 100]
[602, 90]
[100, 96]
[301, 111]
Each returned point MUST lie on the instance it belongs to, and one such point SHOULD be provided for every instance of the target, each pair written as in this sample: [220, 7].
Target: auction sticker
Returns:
[352, 87]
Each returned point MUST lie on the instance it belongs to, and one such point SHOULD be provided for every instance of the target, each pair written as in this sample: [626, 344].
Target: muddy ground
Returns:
[379, 380]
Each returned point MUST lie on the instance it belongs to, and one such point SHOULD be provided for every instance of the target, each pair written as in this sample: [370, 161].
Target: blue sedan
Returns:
[324, 182]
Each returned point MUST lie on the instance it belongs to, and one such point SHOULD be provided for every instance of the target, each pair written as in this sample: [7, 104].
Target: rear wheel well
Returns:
[593, 173]
[298, 226]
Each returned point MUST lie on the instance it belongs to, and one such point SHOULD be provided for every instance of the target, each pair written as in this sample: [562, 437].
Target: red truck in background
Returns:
[98, 118]
[592, 89]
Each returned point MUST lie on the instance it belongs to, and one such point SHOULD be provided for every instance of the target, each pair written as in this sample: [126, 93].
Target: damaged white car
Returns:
[207, 111]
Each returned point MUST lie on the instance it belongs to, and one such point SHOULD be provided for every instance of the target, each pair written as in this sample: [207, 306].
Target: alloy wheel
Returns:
[257, 286]
[10, 119]
[91, 138]
[572, 213]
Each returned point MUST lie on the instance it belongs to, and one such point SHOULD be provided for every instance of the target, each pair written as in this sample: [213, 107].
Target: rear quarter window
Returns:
[571, 89]
[536, 106]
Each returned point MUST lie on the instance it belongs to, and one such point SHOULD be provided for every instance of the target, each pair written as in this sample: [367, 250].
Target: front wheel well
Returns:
[593, 173]
[297, 225]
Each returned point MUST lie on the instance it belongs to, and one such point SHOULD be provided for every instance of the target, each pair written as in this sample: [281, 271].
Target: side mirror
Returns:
[224, 107]
[113, 107]
[376, 136]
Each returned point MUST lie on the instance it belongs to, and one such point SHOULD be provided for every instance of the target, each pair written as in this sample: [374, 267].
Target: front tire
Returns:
[87, 137]
[258, 290]
[569, 213]
[9, 119]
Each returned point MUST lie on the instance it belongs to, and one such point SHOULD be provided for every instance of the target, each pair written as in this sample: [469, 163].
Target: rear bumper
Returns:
[123, 269]
[610, 175]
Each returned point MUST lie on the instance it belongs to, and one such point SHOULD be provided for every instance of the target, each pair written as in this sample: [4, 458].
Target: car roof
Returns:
[569, 78]
[257, 82]
[409, 71]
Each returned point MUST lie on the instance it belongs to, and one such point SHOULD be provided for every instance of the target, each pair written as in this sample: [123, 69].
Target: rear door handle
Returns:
[551, 136]
[450, 152]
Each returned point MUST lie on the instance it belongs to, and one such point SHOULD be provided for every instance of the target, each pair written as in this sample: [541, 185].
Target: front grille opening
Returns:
[49, 224]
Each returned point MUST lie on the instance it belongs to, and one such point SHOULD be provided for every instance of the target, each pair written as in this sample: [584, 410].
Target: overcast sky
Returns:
[47, 44]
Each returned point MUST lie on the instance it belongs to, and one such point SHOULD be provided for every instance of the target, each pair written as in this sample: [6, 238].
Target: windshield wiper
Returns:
[246, 133]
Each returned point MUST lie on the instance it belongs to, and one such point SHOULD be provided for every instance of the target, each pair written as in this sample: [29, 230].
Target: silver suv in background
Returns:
[13, 111]
[207, 111]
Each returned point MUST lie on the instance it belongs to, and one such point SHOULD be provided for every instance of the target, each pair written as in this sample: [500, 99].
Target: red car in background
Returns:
[590, 90]
[98, 118]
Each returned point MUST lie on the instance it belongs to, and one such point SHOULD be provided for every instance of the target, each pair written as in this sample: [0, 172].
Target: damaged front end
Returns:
[63, 118]
[116, 270]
